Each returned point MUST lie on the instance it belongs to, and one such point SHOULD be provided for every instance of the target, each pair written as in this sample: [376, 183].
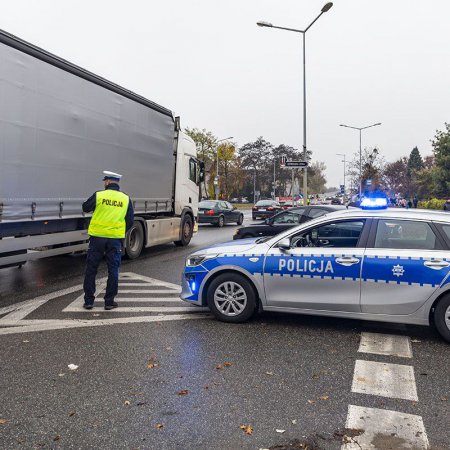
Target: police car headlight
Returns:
[196, 260]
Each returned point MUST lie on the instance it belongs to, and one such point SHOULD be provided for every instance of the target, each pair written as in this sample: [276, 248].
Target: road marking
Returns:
[46, 325]
[384, 429]
[386, 380]
[14, 319]
[385, 344]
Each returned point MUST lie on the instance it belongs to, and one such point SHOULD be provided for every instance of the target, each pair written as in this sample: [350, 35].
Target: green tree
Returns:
[316, 178]
[396, 178]
[441, 151]
[205, 142]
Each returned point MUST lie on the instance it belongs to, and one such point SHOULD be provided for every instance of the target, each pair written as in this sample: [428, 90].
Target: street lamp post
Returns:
[360, 150]
[217, 165]
[343, 154]
[325, 8]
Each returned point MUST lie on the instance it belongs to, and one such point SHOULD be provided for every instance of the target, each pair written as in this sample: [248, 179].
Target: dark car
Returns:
[265, 208]
[219, 213]
[286, 219]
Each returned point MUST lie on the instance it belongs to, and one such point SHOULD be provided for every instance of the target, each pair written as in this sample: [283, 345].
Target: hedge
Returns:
[434, 203]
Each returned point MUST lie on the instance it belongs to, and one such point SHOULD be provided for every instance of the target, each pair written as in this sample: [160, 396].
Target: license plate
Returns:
[262, 209]
[201, 212]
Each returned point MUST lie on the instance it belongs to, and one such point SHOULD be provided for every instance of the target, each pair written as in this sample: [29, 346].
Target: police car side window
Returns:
[335, 234]
[405, 234]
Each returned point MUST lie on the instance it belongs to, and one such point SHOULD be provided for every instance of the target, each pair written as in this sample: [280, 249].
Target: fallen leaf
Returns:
[159, 426]
[25, 341]
[72, 413]
[127, 403]
[72, 366]
[415, 340]
[141, 403]
[61, 374]
[95, 315]
[205, 387]
[444, 399]
[219, 366]
[3, 421]
[247, 429]
[294, 422]
[324, 397]
[169, 349]
[280, 431]
[151, 363]
[269, 373]
[227, 364]
[57, 438]
[183, 392]
[311, 402]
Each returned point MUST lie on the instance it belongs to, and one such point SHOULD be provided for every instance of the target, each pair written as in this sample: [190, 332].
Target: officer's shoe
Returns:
[113, 306]
[88, 306]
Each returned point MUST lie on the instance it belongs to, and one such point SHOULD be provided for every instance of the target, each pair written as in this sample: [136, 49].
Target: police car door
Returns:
[405, 262]
[321, 270]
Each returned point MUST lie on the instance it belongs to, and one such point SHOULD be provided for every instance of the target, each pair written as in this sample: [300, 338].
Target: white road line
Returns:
[385, 344]
[148, 309]
[386, 380]
[46, 325]
[384, 429]
[149, 300]
[148, 291]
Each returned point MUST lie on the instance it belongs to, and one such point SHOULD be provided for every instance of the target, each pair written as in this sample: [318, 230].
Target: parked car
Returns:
[219, 213]
[287, 204]
[285, 220]
[265, 208]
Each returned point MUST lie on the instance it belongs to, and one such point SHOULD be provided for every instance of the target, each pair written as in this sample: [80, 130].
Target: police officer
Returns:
[112, 216]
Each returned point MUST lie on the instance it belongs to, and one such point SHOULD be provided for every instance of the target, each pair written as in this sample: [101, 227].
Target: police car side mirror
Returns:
[284, 244]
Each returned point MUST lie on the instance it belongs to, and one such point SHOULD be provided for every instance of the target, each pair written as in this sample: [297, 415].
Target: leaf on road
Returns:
[219, 366]
[269, 373]
[3, 421]
[127, 403]
[280, 431]
[159, 426]
[227, 364]
[294, 422]
[72, 413]
[57, 438]
[169, 349]
[311, 402]
[183, 392]
[415, 340]
[151, 363]
[247, 429]
[25, 341]
[324, 397]
[72, 366]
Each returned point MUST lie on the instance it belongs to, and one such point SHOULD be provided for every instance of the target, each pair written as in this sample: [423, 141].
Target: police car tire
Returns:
[252, 304]
[133, 253]
[439, 317]
[240, 220]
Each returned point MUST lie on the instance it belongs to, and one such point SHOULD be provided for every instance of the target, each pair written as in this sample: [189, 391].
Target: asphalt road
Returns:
[164, 378]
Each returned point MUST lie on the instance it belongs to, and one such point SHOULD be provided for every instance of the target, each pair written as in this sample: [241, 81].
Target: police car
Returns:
[374, 263]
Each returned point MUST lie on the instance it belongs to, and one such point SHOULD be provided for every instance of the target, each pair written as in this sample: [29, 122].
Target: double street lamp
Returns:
[360, 151]
[216, 181]
[325, 8]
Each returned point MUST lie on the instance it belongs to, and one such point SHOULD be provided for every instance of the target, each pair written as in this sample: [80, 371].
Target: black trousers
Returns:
[111, 249]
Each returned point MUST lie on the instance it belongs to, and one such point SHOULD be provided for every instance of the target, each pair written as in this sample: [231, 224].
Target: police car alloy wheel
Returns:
[231, 298]
[442, 317]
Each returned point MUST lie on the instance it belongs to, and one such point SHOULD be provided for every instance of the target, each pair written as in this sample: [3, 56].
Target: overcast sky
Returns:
[367, 61]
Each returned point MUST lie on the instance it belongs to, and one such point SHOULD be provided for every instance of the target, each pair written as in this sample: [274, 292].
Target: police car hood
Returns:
[238, 246]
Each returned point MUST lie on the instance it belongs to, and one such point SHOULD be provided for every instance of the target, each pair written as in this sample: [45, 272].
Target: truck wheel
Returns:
[186, 231]
[240, 220]
[134, 241]
[231, 298]
[441, 317]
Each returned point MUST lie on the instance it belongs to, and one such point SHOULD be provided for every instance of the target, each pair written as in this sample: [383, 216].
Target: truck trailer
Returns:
[61, 126]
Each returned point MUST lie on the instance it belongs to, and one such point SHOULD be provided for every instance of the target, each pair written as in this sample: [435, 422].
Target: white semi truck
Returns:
[60, 127]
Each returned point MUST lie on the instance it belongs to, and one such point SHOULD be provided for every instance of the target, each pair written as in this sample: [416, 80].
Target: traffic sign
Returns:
[342, 189]
[369, 182]
[296, 164]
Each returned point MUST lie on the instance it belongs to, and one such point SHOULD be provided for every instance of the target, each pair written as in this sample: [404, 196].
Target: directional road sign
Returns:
[296, 164]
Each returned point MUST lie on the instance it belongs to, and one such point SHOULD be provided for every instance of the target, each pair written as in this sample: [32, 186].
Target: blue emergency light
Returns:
[374, 203]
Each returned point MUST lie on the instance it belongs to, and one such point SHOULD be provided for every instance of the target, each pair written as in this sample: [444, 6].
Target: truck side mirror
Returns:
[201, 173]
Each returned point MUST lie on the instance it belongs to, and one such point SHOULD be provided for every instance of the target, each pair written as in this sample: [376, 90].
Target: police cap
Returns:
[111, 176]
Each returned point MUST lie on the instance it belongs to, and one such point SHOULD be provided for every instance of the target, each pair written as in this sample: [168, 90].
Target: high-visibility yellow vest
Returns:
[108, 220]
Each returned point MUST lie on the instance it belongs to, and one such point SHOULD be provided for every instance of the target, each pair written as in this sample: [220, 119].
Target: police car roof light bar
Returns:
[374, 203]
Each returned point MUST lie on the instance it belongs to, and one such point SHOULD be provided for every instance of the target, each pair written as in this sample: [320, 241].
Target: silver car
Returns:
[388, 265]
